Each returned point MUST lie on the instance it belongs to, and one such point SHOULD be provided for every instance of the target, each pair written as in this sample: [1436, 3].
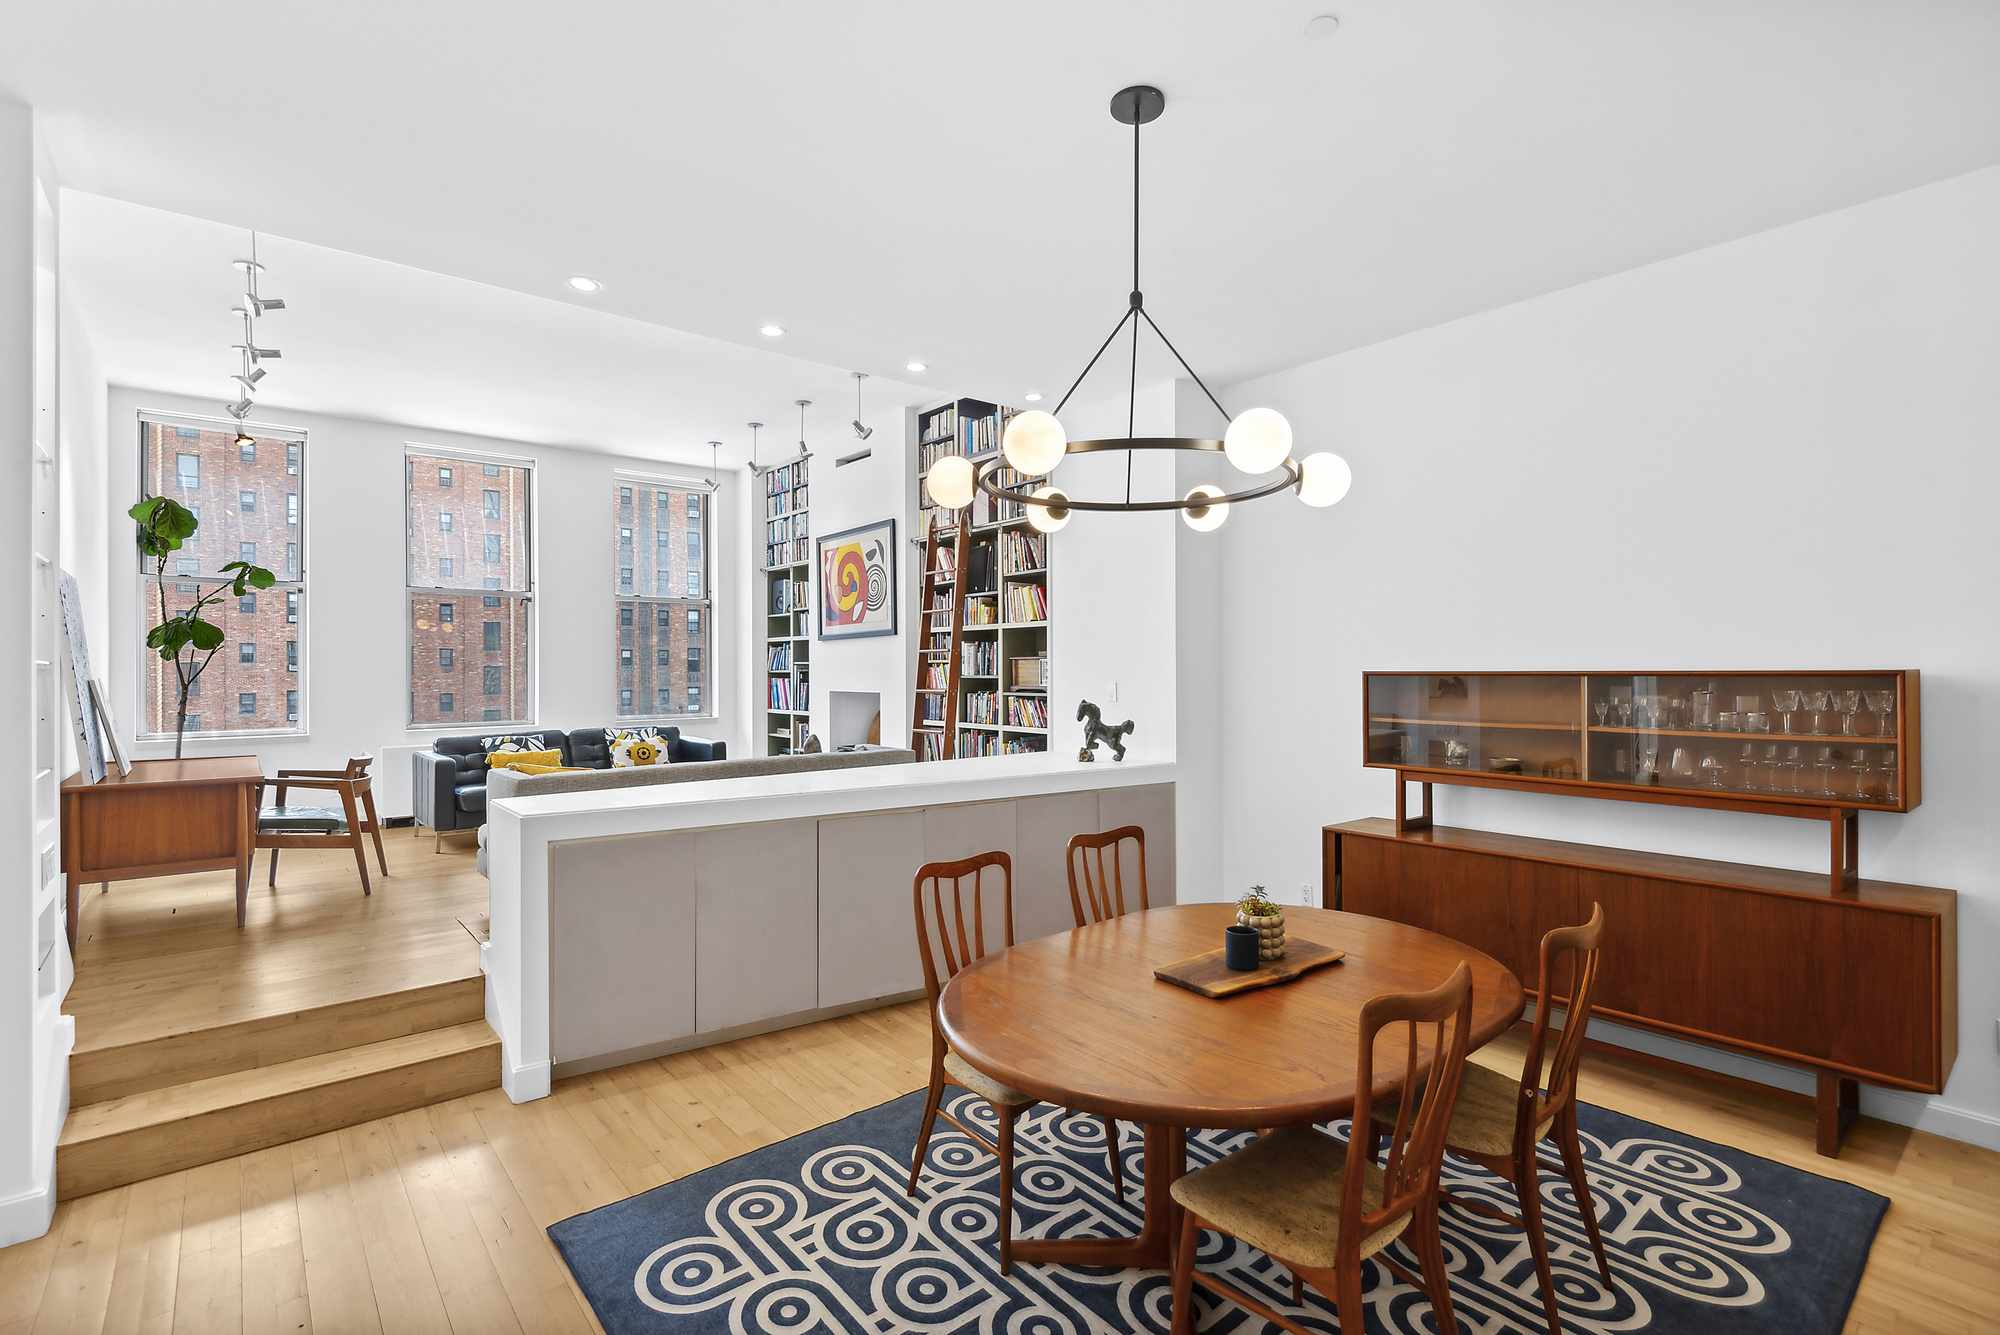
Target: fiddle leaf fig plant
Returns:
[186, 638]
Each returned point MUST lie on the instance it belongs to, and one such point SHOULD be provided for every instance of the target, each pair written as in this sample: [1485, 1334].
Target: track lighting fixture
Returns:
[249, 353]
[803, 405]
[755, 467]
[861, 432]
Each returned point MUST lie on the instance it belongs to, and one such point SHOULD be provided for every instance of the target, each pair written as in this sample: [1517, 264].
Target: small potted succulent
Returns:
[1254, 910]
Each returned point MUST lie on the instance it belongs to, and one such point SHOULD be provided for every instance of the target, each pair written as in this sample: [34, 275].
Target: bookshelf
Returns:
[788, 607]
[982, 680]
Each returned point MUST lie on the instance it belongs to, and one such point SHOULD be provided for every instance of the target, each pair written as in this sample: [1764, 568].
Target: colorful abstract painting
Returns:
[857, 582]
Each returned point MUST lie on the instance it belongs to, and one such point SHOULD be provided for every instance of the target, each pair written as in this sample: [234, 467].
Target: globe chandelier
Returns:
[1258, 441]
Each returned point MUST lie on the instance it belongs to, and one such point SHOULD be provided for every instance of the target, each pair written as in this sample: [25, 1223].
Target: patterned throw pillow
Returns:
[637, 746]
[511, 743]
[505, 758]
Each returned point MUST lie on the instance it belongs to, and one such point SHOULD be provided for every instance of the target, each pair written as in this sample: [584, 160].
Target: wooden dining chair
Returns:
[1097, 892]
[1322, 1208]
[1499, 1120]
[951, 934]
[345, 826]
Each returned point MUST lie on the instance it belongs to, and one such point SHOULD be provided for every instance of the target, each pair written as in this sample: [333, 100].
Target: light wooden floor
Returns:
[432, 1220]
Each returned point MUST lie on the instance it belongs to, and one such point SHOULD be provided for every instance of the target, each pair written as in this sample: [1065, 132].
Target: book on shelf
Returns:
[780, 658]
[981, 612]
[1026, 602]
[982, 707]
[1024, 746]
[937, 677]
[1027, 711]
[933, 707]
[979, 658]
[781, 693]
[971, 744]
[946, 564]
[930, 745]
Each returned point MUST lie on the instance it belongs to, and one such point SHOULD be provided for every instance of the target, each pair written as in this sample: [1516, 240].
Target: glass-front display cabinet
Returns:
[1759, 741]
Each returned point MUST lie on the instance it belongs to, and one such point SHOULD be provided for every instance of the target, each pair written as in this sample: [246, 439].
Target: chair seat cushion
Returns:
[332, 820]
[470, 796]
[1281, 1194]
[1482, 1121]
[985, 1086]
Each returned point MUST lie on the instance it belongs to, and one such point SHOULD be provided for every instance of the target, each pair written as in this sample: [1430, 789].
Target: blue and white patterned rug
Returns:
[814, 1236]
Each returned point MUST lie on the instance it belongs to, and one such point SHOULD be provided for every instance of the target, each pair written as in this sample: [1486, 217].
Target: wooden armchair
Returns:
[344, 826]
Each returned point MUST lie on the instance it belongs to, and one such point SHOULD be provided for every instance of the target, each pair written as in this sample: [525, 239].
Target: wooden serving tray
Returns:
[1208, 975]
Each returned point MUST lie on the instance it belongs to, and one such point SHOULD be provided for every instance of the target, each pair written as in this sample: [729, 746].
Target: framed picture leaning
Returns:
[857, 582]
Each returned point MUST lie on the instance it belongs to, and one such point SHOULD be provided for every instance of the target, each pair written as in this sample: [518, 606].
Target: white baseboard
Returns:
[688, 1042]
[524, 1084]
[27, 1216]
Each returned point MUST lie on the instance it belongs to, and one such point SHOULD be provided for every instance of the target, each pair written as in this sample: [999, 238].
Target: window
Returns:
[194, 723]
[659, 543]
[445, 560]
[225, 484]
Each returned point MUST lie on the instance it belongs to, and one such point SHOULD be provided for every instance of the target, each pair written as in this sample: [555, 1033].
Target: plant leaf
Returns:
[204, 634]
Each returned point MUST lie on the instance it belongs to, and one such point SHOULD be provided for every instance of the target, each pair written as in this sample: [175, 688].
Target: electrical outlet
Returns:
[1305, 895]
[1114, 693]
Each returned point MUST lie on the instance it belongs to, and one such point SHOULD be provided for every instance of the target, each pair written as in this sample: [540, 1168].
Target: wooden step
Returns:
[101, 1071]
[180, 1126]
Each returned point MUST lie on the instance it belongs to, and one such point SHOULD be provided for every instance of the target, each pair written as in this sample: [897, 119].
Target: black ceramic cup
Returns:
[1239, 946]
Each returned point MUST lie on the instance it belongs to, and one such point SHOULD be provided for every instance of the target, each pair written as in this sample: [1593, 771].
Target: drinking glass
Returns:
[1793, 764]
[1881, 704]
[1748, 760]
[1714, 767]
[1815, 703]
[1825, 765]
[1624, 708]
[1847, 704]
[1859, 765]
[1785, 702]
[1683, 763]
[1772, 764]
[1887, 769]
[1757, 721]
[1726, 721]
[1603, 710]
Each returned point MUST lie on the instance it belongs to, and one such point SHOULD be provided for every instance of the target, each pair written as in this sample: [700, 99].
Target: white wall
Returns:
[1776, 453]
[356, 650]
[86, 528]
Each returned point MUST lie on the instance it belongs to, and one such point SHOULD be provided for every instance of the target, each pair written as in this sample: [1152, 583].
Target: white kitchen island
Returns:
[633, 922]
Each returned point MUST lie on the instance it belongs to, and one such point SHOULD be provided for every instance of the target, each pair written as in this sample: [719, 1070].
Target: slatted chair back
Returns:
[951, 917]
[1581, 947]
[1097, 874]
[1416, 1144]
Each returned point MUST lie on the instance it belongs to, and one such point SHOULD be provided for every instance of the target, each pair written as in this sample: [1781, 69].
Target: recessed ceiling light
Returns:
[1032, 398]
[915, 366]
[772, 331]
[1323, 26]
[584, 283]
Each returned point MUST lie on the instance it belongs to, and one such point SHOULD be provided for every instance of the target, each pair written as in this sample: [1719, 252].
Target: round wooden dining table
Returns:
[1078, 1020]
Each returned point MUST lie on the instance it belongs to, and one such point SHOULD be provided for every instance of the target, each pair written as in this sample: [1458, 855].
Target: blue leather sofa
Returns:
[449, 786]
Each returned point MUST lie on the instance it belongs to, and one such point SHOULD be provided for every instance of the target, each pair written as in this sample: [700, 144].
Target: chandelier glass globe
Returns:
[1034, 443]
[1208, 518]
[1258, 440]
[1048, 518]
[1324, 479]
[949, 482]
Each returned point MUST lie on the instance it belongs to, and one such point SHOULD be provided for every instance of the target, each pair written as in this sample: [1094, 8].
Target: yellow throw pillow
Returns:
[638, 746]
[522, 759]
[549, 769]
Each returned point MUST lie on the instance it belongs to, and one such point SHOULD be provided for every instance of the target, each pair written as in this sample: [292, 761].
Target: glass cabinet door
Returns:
[1529, 723]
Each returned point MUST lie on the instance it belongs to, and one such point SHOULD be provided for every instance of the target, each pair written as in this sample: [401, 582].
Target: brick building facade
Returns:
[660, 536]
[250, 504]
[467, 540]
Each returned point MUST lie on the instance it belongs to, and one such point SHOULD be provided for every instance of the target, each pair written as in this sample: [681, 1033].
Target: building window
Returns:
[291, 655]
[494, 556]
[659, 543]
[223, 483]
[444, 702]
[291, 706]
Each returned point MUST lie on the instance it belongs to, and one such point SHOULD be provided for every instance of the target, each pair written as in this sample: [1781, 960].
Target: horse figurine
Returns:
[1094, 732]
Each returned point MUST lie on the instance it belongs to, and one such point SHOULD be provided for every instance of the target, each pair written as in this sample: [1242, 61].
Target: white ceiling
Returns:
[906, 179]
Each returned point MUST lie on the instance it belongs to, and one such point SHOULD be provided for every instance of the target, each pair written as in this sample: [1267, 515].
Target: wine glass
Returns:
[1887, 770]
[1624, 708]
[1748, 760]
[1682, 765]
[1785, 702]
[1815, 703]
[1714, 767]
[1861, 770]
[1847, 704]
[1825, 764]
[1772, 764]
[1881, 704]
[1603, 708]
[1793, 764]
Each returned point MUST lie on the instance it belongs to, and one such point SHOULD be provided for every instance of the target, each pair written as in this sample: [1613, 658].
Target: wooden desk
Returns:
[1078, 1020]
[164, 818]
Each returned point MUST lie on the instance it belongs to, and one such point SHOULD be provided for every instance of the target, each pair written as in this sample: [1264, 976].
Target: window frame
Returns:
[624, 591]
[461, 589]
[290, 586]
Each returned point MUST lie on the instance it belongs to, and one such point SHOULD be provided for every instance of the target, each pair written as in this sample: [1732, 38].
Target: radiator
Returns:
[393, 800]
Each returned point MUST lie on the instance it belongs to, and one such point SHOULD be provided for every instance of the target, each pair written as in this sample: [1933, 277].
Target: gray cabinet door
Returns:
[1042, 830]
[756, 922]
[867, 923]
[1152, 809]
[622, 944]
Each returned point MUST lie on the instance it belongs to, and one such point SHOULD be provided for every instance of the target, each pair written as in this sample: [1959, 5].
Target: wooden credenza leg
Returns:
[1837, 1104]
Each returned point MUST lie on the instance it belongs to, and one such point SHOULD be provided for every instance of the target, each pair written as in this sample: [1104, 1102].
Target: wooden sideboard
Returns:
[1855, 985]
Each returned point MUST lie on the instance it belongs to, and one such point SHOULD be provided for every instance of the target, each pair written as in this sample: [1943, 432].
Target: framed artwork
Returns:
[857, 582]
